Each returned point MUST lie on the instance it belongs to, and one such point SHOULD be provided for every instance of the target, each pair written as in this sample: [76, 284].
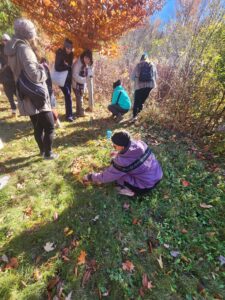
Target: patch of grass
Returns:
[169, 218]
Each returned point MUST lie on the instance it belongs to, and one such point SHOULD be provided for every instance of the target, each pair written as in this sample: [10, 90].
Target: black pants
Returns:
[43, 131]
[115, 109]
[10, 92]
[139, 99]
[138, 191]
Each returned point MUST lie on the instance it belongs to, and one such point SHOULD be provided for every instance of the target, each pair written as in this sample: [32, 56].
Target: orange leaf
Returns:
[82, 258]
[185, 183]
[128, 266]
[12, 264]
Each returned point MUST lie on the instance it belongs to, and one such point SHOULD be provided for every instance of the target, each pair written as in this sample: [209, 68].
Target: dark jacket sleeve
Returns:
[60, 62]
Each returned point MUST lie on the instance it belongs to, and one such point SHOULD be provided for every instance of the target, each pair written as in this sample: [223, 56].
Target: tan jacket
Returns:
[22, 57]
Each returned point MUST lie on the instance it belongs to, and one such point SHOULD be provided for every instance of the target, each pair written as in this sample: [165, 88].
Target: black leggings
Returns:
[139, 99]
[138, 191]
[43, 124]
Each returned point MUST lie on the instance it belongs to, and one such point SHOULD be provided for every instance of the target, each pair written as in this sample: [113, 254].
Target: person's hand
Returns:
[86, 179]
[113, 154]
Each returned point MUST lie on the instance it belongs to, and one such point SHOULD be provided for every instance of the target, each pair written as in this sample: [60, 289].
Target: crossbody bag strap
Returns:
[137, 163]
[118, 98]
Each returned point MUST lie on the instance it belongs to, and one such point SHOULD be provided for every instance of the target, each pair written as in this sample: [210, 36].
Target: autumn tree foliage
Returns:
[93, 24]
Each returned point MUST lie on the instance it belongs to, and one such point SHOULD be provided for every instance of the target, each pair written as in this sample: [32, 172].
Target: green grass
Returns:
[49, 186]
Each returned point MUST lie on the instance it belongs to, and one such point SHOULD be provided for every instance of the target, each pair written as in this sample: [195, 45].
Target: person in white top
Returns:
[81, 73]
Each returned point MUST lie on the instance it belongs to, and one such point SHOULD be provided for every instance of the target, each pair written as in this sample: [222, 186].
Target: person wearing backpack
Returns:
[121, 103]
[22, 60]
[144, 76]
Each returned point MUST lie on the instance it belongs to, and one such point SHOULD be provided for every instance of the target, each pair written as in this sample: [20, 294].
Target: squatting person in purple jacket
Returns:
[134, 167]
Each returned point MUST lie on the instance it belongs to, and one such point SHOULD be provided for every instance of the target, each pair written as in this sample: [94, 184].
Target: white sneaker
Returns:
[126, 192]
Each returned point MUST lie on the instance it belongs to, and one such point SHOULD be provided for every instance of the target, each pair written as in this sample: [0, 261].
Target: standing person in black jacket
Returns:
[63, 62]
[6, 75]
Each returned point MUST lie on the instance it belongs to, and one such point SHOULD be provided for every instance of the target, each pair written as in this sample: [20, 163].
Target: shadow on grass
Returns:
[14, 130]
[84, 131]
[14, 164]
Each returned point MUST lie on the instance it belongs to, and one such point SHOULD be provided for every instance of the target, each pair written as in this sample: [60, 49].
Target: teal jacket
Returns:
[124, 100]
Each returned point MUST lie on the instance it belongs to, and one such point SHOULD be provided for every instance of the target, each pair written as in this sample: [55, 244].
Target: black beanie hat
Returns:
[121, 138]
[116, 83]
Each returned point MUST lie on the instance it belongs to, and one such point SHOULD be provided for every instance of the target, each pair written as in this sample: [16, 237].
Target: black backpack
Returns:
[36, 92]
[146, 72]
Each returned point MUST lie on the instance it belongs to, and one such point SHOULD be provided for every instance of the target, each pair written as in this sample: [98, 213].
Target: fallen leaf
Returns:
[174, 253]
[128, 266]
[86, 277]
[75, 271]
[184, 231]
[37, 260]
[136, 221]
[12, 264]
[69, 296]
[28, 211]
[68, 231]
[185, 183]
[166, 246]
[146, 283]
[201, 288]
[82, 258]
[222, 260]
[95, 218]
[49, 247]
[160, 261]
[126, 249]
[204, 205]
[52, 283]
[4, 258]
[126, 206]
[142, 292]
[55, 216]
[142, 250]
[185, 259]
[37, 274]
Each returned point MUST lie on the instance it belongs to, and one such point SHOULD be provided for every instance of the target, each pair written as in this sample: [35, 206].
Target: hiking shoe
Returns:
[119, 118]
[51, 156]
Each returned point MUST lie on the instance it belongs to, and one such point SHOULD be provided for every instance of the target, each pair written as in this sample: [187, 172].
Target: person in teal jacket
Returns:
[121, 103]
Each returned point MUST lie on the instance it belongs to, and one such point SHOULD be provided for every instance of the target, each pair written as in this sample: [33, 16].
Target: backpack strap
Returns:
[137, 163]
[118, 98]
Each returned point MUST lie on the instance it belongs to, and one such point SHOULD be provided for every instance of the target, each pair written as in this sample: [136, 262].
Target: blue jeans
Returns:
[68, 99]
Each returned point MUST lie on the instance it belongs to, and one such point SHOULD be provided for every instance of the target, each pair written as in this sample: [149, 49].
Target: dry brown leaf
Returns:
[82, 258]
[184, 231]
[146, 284]
[52, 283]
[28, 211]
[128, 266]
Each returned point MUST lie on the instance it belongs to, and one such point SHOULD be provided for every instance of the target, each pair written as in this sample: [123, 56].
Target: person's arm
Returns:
[108, 175]
[76, 71]
[134, 73]
[60, 64]
[32, 68]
